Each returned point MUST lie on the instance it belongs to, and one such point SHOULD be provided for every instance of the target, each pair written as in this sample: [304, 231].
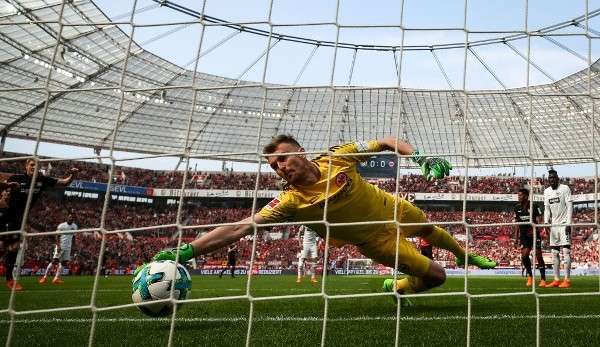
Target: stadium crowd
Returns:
[276, 248]
[410, 183]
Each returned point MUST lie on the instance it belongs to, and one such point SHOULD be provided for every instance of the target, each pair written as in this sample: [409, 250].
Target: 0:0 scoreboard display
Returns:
[379, 166]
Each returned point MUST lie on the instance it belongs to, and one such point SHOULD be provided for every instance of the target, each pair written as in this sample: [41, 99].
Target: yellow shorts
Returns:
[381, 246]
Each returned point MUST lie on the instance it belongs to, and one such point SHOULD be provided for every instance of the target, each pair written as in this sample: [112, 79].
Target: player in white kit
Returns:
[308, 254]
[558, 209]
[62, 250]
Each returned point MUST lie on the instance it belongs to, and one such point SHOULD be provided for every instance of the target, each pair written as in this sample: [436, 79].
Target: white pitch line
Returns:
[307, 289]
[296, 319]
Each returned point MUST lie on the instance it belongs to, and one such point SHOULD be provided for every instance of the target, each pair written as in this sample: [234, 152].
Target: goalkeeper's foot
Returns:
[388, 286]
[477, 260]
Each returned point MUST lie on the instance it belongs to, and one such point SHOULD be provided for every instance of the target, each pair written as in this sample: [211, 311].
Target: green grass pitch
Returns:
[361, 321]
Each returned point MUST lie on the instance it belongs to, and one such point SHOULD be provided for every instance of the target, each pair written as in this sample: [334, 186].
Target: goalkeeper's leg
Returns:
[440, 238]
[435, 276]
[423, 273]
[436, 236]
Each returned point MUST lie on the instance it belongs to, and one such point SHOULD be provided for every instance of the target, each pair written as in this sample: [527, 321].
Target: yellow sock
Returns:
[409, 285]
[442, 239]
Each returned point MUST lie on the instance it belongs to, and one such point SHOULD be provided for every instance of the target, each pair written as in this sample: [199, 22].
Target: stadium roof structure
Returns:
[84, 93]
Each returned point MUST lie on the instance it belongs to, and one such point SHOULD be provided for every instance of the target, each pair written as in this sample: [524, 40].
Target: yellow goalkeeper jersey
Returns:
[350, 198]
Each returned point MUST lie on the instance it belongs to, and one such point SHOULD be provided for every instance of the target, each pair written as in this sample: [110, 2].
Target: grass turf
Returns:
[358, 321]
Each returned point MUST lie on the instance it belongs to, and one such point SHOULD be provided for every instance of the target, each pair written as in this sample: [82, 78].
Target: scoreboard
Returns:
[379, 166]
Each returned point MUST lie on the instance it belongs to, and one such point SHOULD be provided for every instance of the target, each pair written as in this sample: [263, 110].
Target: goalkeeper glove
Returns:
[186, 252]
[432, 167]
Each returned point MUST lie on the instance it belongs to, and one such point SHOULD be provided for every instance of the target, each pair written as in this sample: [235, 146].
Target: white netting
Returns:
[102, 89]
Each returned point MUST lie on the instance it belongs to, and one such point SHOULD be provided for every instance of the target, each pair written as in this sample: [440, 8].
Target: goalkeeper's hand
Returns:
[432, 167]
[186, 252]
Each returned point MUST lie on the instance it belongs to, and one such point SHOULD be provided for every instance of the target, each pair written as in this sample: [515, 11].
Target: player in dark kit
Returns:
[8, 242]
[13, 219]
[231, 260]
[526, 236]
[426, 248]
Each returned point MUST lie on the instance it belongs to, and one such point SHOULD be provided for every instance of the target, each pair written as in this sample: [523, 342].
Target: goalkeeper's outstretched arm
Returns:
[224, 235]
[431, 167]
[215, 239]
[390, 143]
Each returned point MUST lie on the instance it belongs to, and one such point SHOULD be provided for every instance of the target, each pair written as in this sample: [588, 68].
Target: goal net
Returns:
[158, 83]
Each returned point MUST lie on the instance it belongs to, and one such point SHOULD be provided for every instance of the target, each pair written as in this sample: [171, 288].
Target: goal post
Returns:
[359, 266]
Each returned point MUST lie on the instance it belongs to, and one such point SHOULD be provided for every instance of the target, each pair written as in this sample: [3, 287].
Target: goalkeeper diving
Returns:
[331, 180]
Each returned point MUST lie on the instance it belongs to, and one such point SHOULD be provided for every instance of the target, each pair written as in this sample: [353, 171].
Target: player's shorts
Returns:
[381, 247]
[559, 236]
[526, 240]
[63, 255]
[309, 252]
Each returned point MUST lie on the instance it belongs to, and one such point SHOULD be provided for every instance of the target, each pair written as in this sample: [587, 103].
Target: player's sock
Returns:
[311, 268]
[10, 260]
[542, 267]
[527, 263]
[47, 270]
[567, 254]
[300, 267]
[556, 263]
[58, 271]
[313, 273]
[442, 239]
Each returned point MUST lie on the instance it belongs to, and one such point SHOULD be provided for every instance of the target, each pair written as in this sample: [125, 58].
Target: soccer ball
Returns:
[154, 281]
